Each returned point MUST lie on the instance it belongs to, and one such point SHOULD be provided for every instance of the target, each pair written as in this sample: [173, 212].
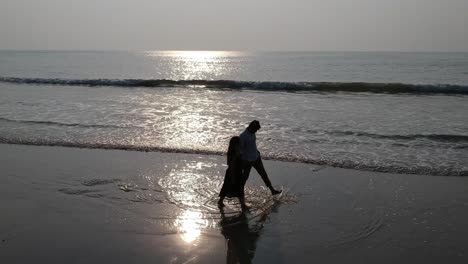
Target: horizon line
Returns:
[221, 50]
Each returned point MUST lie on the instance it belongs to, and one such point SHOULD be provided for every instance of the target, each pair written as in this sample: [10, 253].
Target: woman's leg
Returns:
[225, 188]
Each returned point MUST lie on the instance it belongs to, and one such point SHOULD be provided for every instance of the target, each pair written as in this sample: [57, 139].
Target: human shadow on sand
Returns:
[242, 232]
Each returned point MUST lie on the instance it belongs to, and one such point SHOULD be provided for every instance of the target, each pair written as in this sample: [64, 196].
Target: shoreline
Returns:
[87, 205]
[163, 150]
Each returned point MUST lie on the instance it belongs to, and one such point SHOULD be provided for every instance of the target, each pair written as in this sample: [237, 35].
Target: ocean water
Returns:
[391, 112]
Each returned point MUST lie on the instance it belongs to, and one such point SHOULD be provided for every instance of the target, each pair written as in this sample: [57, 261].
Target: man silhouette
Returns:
[251, 156]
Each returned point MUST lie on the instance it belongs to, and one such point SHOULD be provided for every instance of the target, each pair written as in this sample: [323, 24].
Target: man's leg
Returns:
[258, 165]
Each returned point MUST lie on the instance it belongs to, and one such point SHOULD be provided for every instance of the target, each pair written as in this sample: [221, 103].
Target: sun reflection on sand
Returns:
[190, 224]
[193, 187]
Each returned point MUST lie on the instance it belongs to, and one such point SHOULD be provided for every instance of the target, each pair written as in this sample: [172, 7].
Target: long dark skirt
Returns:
[233, 185]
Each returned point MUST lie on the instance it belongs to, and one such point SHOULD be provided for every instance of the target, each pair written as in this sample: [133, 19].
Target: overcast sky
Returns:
[325, 25]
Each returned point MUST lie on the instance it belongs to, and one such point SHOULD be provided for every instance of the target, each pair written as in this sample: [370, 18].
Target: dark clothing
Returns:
[258, 165]
[234, 181]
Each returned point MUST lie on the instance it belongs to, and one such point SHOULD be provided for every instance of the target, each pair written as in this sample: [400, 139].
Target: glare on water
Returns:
[195, 64]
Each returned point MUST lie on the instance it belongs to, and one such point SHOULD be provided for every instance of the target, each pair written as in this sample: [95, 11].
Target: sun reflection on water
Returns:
[194, 54]
[201, 65]
[199, 55]
[191, 129]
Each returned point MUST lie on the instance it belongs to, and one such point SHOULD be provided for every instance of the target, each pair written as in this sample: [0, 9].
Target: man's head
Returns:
[254, 126]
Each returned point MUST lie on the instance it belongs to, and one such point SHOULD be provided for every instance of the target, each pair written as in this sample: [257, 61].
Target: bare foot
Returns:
[274, 192]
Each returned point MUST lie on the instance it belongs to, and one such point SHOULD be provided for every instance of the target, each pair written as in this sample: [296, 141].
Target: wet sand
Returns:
[67, 205]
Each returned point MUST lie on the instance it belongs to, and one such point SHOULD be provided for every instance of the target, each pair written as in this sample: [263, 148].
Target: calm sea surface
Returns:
[397, 112]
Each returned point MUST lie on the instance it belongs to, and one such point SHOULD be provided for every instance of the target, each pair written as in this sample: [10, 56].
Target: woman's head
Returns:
[234, 143]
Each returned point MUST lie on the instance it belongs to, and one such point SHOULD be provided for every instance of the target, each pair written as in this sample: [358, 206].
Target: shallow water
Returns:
[98, 100]
[409, 134]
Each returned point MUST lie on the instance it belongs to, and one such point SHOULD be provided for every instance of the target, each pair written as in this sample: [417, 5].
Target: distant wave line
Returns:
[355, 87]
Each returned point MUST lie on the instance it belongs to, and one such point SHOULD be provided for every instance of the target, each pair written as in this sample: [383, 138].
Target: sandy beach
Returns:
[67, 205]
[136, 132]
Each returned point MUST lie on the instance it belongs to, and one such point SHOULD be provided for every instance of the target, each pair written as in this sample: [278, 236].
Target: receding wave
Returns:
[354, 87]
[58, 143]
[442, 171]
[53, 123]
[433, 137]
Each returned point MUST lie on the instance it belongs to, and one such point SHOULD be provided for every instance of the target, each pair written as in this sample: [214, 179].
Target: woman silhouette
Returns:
[233, 185]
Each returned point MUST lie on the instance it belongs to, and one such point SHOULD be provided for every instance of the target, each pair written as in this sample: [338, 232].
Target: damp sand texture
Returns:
[91, 206]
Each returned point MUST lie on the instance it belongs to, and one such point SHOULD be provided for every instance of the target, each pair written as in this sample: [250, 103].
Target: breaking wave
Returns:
[355, 87]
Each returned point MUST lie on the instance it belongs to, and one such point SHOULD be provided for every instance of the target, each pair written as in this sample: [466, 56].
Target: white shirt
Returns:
[248, 143]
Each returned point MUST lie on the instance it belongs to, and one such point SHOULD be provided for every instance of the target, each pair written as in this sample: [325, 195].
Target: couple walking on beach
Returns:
[242, 155]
